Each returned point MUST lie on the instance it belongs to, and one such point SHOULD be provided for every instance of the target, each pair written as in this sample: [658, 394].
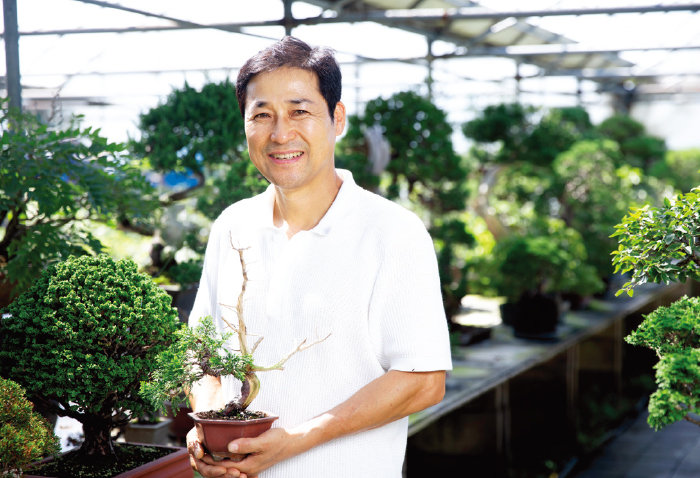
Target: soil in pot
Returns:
[126, 462]
[216, 430]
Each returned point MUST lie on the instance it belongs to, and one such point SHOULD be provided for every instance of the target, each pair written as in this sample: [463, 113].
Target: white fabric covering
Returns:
[366, 274]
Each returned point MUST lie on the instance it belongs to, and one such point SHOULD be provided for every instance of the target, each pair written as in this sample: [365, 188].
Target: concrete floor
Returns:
[641, 452]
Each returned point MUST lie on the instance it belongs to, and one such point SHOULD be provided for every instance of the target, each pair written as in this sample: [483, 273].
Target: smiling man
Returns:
[323, 256]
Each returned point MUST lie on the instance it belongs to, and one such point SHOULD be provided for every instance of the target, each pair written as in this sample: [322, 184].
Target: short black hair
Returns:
[294, 53]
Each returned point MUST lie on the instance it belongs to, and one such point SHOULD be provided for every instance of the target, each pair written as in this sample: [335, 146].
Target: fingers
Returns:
[193, 444]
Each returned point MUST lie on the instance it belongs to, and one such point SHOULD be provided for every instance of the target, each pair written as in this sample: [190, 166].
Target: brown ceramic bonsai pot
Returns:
[216, 434]
[174, 465]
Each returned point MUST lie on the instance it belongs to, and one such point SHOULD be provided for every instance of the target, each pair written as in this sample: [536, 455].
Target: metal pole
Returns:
[288, 17]
[14, 89]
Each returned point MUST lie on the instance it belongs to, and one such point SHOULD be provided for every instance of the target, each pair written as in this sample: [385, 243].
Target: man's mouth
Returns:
[286, 156]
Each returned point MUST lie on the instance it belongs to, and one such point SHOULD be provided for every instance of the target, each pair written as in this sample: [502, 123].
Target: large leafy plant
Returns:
[662, 244]
[81, 340]
[52, 183]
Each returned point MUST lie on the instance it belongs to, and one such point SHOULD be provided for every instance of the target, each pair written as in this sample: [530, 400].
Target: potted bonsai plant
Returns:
[533, 270]
[80, 341]
[663, 245]
[25, 436]
[201, 351]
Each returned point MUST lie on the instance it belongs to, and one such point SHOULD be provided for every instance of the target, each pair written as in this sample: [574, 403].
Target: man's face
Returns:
[291, 137]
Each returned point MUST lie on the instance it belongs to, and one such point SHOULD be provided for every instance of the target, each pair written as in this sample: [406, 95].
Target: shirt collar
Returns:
[339, 208]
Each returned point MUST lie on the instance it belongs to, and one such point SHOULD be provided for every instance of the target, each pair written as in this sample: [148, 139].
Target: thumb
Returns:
[242, 446]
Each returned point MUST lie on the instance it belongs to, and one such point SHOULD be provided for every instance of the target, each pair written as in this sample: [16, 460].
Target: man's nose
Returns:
[282, 131]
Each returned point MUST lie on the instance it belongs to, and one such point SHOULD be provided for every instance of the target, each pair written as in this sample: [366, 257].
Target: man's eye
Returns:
[300, 112]
[261, 116]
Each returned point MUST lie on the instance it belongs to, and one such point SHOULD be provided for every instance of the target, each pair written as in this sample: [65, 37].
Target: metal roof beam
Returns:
[554, 49]
[386, 17]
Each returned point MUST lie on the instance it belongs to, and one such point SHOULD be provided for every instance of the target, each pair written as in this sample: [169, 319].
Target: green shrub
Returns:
[423, 168]
[660, 244]
[679, 168]
[593, 195]
[25, 436]
[53, 182]
[663, 245]
[83, 337]
[673, 332]
[546, 262]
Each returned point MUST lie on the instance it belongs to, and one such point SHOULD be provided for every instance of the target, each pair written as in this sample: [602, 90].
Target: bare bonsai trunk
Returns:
[98, 439]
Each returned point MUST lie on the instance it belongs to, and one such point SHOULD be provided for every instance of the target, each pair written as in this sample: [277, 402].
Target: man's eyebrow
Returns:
[294, 101]
[299, 101]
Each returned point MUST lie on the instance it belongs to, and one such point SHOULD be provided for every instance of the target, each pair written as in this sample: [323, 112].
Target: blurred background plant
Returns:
[195, 147]
[54, 184]
[25, 436]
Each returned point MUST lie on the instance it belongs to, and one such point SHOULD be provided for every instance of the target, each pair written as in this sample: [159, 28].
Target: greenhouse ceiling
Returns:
[112, 59]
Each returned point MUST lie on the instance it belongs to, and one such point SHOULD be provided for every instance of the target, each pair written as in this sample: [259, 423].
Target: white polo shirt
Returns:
[366, 274]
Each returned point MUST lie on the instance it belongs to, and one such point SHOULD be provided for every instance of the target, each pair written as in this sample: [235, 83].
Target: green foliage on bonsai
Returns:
[424, 168]
[204, 351]
[593, 193]
[660, 244]
[423, 163]
[679, 168]
[549, 261]
[83, 337]
[663, 245]
[51, 182]
[202, 133]
[25, 436]
[526, 134]
[673, 332]
[195, 352]
[198, 133]
[638, 149]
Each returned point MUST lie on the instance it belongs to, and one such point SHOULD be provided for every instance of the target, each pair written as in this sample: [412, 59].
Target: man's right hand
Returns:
[205, 464]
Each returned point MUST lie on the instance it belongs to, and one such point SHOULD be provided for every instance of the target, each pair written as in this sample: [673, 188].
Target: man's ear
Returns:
[339, 118]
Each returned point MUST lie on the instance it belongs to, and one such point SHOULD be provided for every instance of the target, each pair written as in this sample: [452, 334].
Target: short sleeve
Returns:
[406, 315]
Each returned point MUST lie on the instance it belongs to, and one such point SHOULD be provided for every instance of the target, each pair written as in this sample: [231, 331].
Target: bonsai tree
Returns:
[25, 436]
[673, 332]
[422, 167]
[593, 194]
[638, 148]
[663, 245]
[551, 261]
[681, 169]
[201, 351]
[53, 182]
[81, 340]
[200, 147]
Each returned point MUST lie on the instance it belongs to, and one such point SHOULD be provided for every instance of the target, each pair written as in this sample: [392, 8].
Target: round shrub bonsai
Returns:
[81, 340]
[25, 436]
[673, 332]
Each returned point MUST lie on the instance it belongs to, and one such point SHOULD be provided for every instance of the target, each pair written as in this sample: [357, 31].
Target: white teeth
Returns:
[287, 156]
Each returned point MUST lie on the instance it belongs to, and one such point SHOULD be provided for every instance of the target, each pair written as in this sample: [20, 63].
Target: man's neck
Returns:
[303, 210]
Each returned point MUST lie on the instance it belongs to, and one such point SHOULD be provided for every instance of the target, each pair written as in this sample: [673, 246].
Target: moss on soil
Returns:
[127, 457]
